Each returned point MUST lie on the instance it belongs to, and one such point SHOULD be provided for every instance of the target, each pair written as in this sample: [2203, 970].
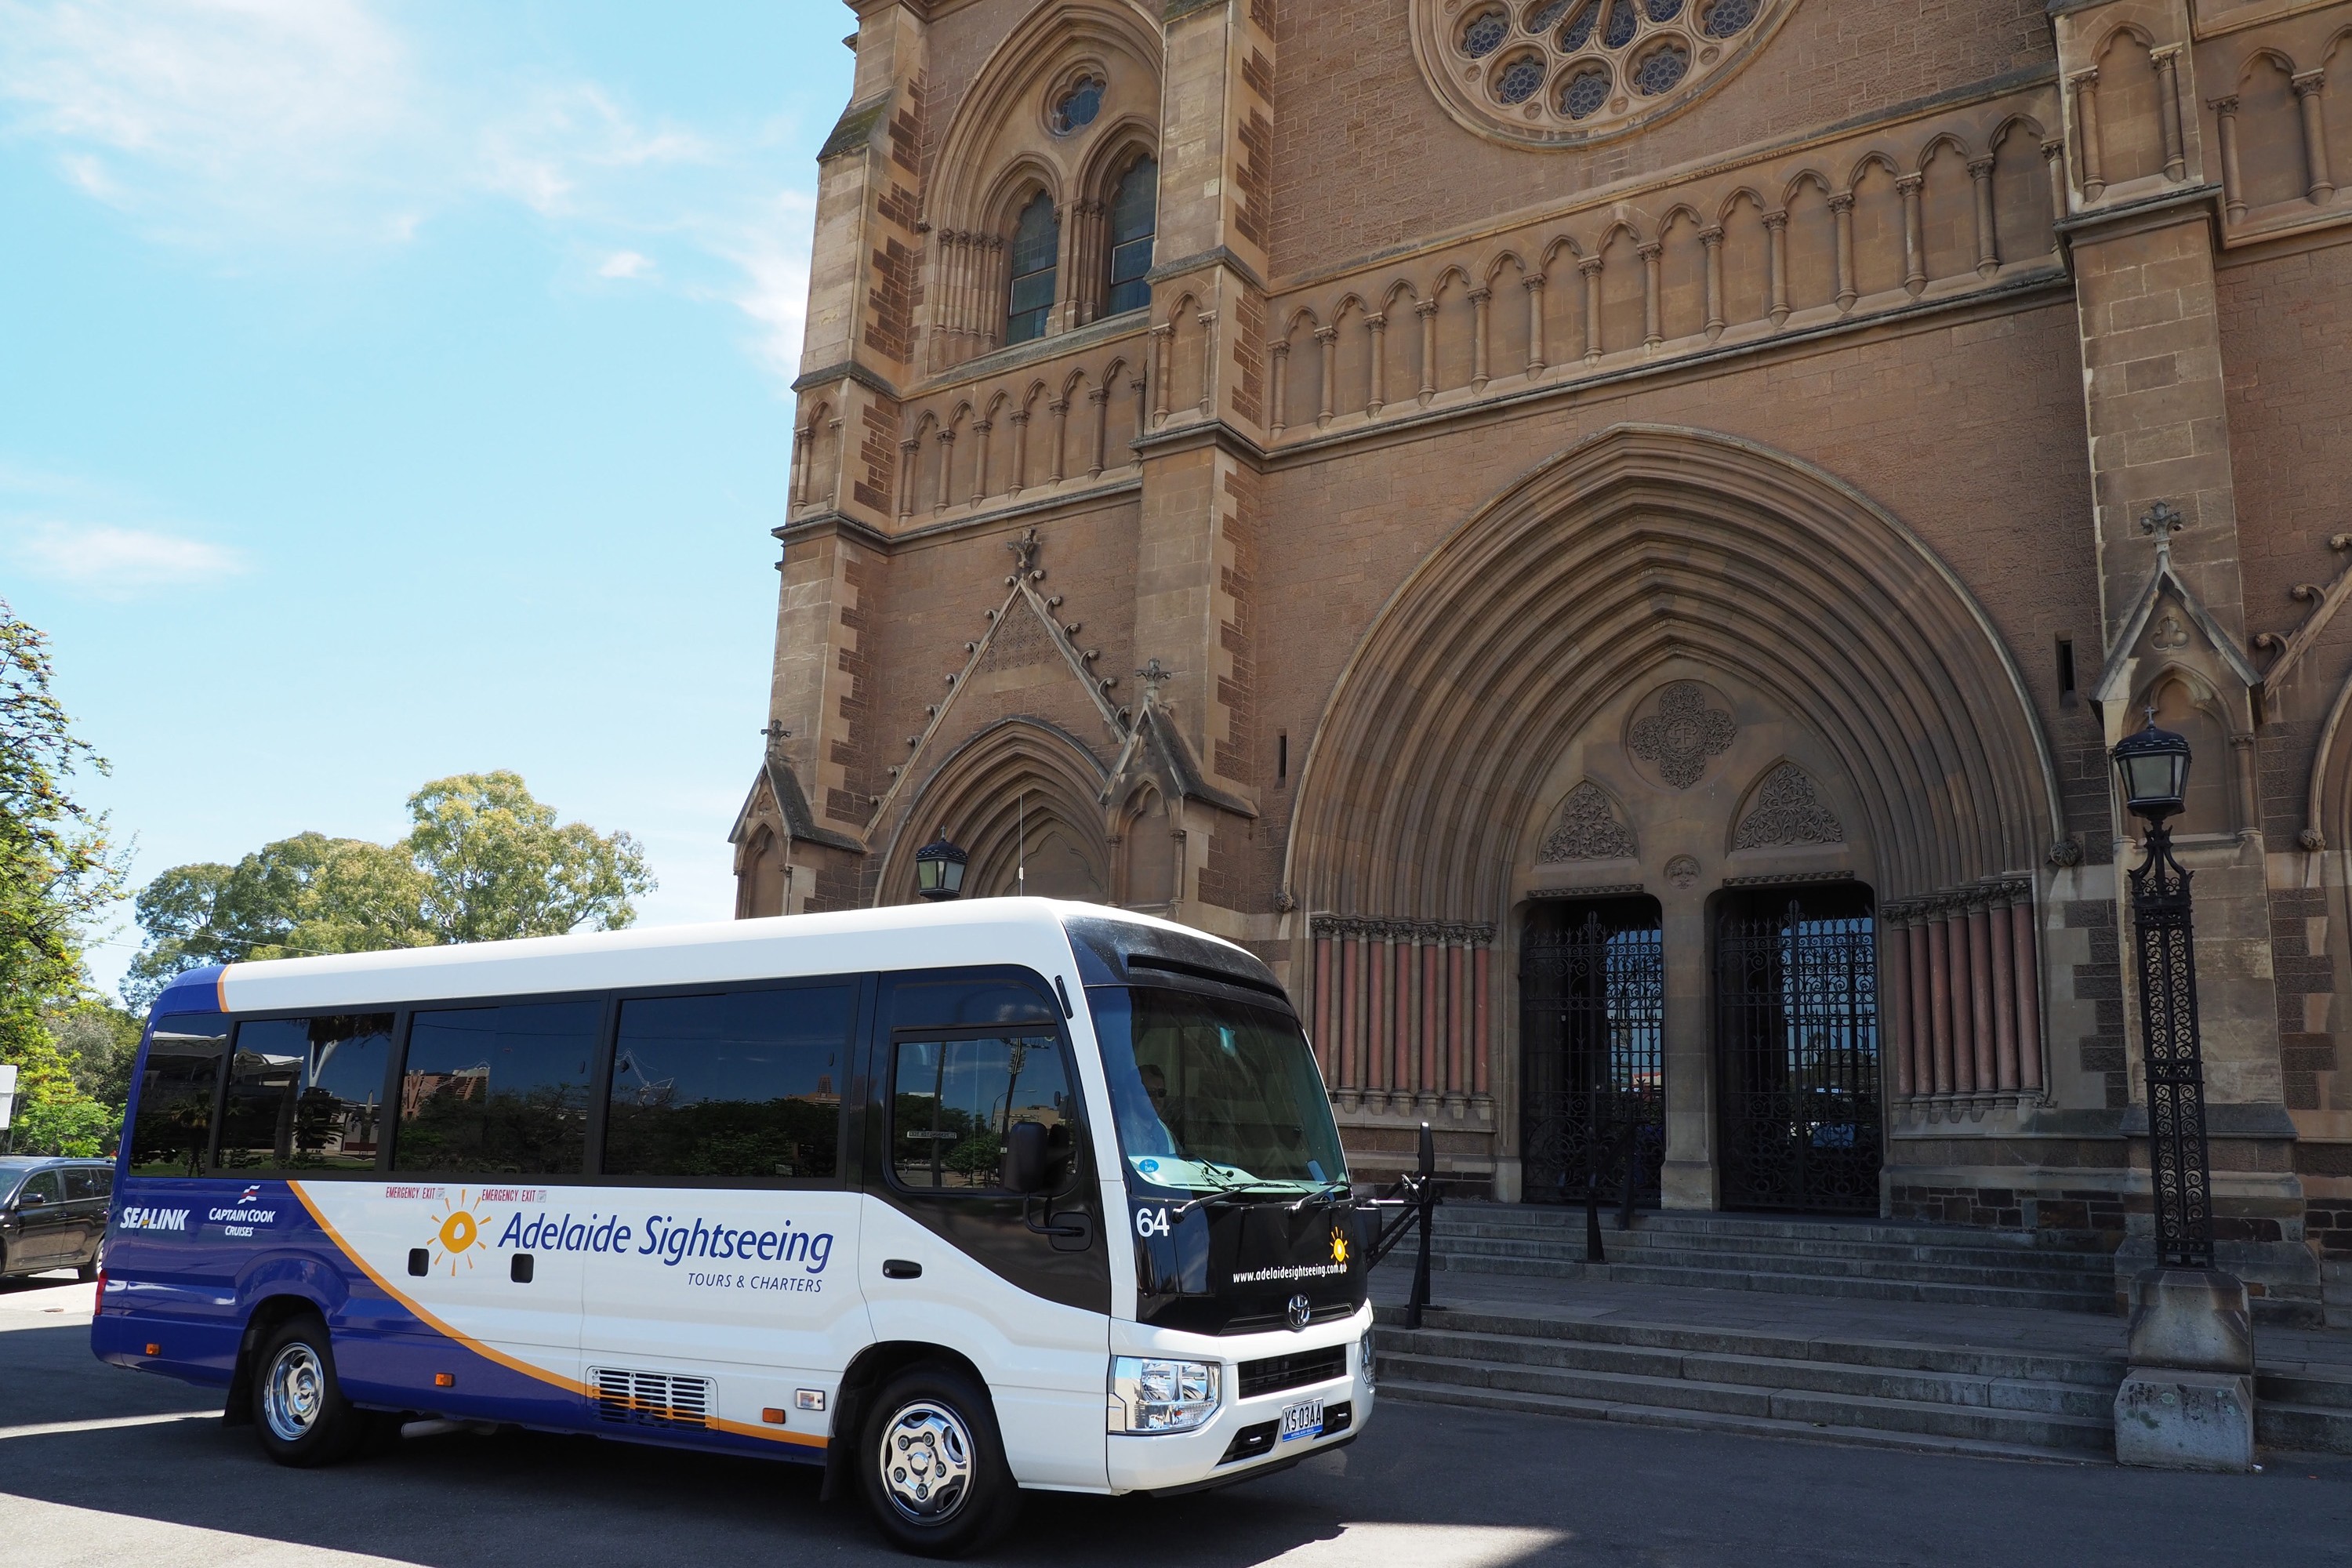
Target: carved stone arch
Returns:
[1147, 858]
[1118, 148]
[1937, 144]
[1001, 113]
[1455, 273]
[1020, 780]
[1884, 160]
[2188, 703]
[1551, 252]
[1401, 286]
[1502, 258]
[2121, 30]
[2336, 41]
[1623, 226]
[1022, 182]
[2266, 53]
[1304, 316]
[2015, 123]
[1640, 546]
[1740, 194]
[1799, 179]
[1680, 213]
[1785, 808]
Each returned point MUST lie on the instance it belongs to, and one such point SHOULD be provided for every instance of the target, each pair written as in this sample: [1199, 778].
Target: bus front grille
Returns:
[651, 1398]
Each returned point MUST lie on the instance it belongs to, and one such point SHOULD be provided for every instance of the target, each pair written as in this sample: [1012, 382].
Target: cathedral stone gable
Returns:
[1589, 830]
[1786, 811]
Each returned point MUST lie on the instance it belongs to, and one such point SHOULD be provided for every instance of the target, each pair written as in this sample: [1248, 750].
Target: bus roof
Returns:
[982, 931]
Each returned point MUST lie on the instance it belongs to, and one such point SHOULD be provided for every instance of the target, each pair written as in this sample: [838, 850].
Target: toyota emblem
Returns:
[1296, 1313]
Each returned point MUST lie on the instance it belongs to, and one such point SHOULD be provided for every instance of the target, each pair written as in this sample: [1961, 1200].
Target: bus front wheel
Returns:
[298, 1408]
[934, 1466]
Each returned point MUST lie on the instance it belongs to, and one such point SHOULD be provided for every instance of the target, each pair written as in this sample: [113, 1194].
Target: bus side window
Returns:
[498, 1090]
[171, 1127]
[306, 1094]
[732, 1083]
[954, 1101]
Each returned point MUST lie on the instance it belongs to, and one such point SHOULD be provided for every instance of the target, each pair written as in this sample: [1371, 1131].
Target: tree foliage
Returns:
[483, 860]
[57, 868]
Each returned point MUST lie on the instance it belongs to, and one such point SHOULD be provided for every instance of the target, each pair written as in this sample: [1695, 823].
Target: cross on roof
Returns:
[1154, 675]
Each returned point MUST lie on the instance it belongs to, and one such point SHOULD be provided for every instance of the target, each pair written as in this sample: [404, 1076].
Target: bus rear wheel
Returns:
[298, 1408]
[933, 1465]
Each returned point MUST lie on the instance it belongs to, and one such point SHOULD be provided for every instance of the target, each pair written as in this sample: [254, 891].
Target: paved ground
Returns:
[80, 1483]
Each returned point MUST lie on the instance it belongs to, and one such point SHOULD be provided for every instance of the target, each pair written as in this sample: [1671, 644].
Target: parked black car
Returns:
[53, 1212]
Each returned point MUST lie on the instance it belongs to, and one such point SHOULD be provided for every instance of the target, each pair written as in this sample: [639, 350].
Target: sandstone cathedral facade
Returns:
[1607, 540]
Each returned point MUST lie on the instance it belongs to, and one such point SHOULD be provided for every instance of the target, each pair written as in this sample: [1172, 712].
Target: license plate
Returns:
[1304, 1419]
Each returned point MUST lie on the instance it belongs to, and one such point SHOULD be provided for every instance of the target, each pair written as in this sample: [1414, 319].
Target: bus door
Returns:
[1019, 1284]
[733, 1303]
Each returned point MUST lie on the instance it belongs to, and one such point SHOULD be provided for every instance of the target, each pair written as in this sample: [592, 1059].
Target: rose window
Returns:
[1568, 71]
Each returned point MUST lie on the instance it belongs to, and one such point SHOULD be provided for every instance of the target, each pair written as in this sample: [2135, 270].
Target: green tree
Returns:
[497, 865]
[98, 1043]
[57, 868]
[484, 860]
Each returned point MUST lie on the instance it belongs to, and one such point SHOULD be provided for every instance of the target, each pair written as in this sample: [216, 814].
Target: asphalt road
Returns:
[1425, 1486]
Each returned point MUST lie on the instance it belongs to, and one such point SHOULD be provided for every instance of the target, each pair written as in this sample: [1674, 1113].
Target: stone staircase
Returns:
[1860, 1259]
[1929, 1398]
[1894, 1335]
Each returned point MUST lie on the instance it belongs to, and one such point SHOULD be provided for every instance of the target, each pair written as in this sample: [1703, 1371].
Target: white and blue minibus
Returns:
[955, 1201]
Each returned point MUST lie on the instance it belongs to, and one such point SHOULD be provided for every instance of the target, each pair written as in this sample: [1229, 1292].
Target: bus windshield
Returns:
[1213, 1096]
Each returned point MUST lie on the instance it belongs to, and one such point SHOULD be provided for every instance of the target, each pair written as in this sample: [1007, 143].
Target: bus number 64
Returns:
[1151, 1222]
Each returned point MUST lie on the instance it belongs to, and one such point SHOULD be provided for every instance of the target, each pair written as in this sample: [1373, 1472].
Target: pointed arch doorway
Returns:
[1593, 987]
[1797, 1102]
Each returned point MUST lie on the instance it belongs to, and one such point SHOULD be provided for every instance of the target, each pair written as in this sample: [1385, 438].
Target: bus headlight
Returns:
[1152, 1395]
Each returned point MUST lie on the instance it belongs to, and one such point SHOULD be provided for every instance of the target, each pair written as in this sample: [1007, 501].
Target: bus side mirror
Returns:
[1028, 1157]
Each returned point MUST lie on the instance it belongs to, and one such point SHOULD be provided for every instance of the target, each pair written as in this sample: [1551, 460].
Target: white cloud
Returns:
[248, 128]
[193, 115]
[109, 561]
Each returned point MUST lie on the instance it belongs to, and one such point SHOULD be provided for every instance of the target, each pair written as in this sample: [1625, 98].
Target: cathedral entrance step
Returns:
[1989, 1380]
[1776, 1280]
[1955, 1267]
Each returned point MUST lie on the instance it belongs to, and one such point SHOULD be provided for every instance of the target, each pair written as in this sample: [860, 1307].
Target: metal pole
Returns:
[2178, 1163]
[1427, 1194]
[1593, 1252]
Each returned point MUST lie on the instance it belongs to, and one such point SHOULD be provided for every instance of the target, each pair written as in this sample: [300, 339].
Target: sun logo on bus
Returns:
[1339, 1245]
[459, 1235]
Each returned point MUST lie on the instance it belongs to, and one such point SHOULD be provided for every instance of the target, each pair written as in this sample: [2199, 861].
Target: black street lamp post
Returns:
[938, 869]
[2155, 768]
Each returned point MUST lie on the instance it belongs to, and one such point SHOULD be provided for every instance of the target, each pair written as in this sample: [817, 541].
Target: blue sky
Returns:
[394, 389]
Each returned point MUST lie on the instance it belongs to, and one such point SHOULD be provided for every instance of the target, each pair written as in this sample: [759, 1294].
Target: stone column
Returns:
[1275, 414]
[1841, 209]
[1427, 311]
[1591, 267]
[2310, 90]
[1653, 308]
[2086, 131]
[1479, 300]
[1776, 230]
[2234, 183]
[1711, 237]
[1688, 1179]
[1328, 338]
[1534, 285]
[1988, 230]
[1377, 325]
[2167, 111]
[1914, 247]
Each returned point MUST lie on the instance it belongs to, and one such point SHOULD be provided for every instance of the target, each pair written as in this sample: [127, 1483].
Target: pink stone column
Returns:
[1379, 976]
[1351, 960]
[1486, 1039]
[1327, 1044]
[1940, 980]
[2023, 948]
[1922, 1031]
[1896, 965]
[1408, 969]
[1457, 1015]
[2004, 993]
[1980, 990]
[1957, 996]
[1433, 1008]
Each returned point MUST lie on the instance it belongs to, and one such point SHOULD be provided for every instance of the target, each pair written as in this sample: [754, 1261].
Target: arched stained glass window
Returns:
[1134, 215]
[1037, 241]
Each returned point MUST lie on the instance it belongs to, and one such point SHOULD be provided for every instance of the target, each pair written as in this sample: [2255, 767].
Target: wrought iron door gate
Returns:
[1797, 1051]
[1592, 1092]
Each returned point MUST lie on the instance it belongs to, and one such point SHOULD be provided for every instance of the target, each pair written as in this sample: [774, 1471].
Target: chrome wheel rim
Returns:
[927, 1462]
[295, 1393]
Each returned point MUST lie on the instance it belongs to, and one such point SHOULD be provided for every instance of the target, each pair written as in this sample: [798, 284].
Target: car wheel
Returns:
[933, 1465]
[299, 1409]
